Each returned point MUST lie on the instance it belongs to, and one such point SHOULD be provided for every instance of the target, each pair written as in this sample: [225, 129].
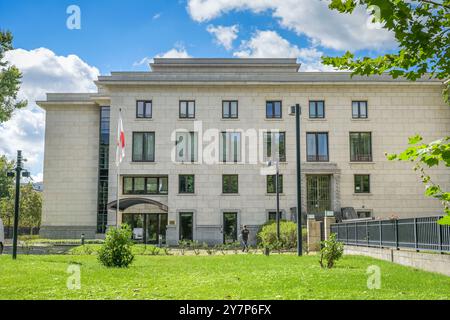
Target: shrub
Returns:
[209, 250]
[195, 245]
[183, 245]
[332, 250]
[267, 236]
[116, 251]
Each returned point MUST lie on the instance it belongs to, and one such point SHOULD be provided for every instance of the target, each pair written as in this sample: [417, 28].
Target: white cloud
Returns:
[313, 19]
[177, 52]
[43, 71]
[224, 36]
[156, 16]
[269, 44]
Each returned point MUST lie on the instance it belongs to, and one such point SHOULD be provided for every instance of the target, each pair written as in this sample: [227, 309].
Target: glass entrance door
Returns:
[318, 193]
[230, 225]
[147, 228]
[186, 226]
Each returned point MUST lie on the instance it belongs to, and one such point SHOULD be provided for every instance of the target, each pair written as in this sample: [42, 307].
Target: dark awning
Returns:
[129, 202]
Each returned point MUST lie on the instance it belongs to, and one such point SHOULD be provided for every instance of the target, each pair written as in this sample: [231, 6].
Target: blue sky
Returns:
[125, 35]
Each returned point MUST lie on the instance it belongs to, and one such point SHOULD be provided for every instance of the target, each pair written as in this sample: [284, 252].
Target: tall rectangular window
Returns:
[359, 109]
[146, 185]
[362, 183]
[186, 147]
[317, 147]
[143, 147]
[230, 147]
[229, 109]
[186, 183]
[187, 109]
[317, 109]
[103, 172]
[361, 146]
[143, 109]
[271, 182]
[230, 183]
[275, 146]
[273, 110]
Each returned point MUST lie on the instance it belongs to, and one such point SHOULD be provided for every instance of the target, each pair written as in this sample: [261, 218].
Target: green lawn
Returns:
[215, 277]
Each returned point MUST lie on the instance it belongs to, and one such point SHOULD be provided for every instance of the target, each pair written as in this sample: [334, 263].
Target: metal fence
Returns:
[414, 233]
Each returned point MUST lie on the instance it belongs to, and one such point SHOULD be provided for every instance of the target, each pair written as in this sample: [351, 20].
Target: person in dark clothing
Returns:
[244, 233]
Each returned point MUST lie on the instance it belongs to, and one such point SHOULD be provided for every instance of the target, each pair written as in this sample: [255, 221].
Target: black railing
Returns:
[414, 233]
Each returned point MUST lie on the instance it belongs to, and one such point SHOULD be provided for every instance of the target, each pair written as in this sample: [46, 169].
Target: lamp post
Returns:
[18, 172]
[277, 181]
[296, 110]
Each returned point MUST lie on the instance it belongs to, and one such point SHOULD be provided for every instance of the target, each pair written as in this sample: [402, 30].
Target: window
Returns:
[275, 146]
[230, 183]
[145, 185]
[362, 183]
[317, 147]
[273, 109]
[143, 109]
[317, 109]
[229, 109]
[271, 181]
[360, 146]
[186, 183]
[186, 147]
[359, 109]
[230, 147]
[187, 109]
[143, 146]
[364, 214]
[273, 215]
[186, 226]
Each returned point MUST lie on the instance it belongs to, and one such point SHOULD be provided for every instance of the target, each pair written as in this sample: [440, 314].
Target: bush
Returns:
[332, 250]
[116, 251]
[267, 236]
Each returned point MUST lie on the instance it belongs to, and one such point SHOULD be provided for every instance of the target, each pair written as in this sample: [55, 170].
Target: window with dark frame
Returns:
[186, 183]
[362, 183]
[273, 215]
[359, 109]
[143, 147]
[144, 109]
[273, 110]
[186, 146]
[187, 109]
[272, 141]
[230, 146]
[360, 146]
[317, 147]
[317, 109]
[271, 182]
[230, 183]
[145, 185]
[229, 109]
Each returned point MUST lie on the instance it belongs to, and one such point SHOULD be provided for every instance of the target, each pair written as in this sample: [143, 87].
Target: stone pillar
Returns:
[313, 228]
[328, 220]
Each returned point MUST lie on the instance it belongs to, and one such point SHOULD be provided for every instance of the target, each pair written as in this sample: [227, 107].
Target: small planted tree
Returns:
[332, 250]
[116, 251]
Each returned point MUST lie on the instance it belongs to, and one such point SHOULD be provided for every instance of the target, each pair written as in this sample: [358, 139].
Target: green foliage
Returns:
[430, 155]
[422, 31]
[183, 245]
[116, 251]
[267, 236]
[10, 78]
[5, 182]
[332, 250]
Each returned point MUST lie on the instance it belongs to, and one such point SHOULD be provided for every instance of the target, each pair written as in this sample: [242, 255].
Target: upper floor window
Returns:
[271, 183]
[143, 109]
[187, 109]
[317, 146]
[229, 109]
[186, 183]
[143, 146]
[145, 185]
[230, 183]
[186, 147]
[359, 109]
[360, 146]
[362, 183]
[273, 109]
[230, 147]
[317, 109]
[275, 146]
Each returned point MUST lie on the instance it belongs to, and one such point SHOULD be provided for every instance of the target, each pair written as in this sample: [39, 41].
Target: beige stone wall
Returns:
[71, 167]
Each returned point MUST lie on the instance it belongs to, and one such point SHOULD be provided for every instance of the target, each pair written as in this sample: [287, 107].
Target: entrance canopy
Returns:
[129, 202]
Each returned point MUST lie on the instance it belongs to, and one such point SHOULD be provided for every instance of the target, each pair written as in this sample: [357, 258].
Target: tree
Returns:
[422, 31]
[10, 78]
[5, 181]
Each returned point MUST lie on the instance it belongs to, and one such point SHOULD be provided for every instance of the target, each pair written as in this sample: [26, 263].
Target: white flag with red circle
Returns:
[120, 151]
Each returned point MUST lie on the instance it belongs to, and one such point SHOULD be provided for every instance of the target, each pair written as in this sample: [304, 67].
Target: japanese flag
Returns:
[120, 151]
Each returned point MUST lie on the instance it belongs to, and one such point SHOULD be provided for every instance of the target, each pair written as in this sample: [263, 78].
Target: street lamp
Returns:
[296, 110]
[277, 177]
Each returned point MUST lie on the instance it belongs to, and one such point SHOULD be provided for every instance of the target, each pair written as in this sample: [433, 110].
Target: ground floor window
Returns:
[147, 227]
[362, 183]
[318, 193]
[186, 226]
[230, 227]
[272, 215]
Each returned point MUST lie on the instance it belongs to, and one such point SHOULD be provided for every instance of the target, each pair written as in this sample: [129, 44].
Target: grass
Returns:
[215, 277]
